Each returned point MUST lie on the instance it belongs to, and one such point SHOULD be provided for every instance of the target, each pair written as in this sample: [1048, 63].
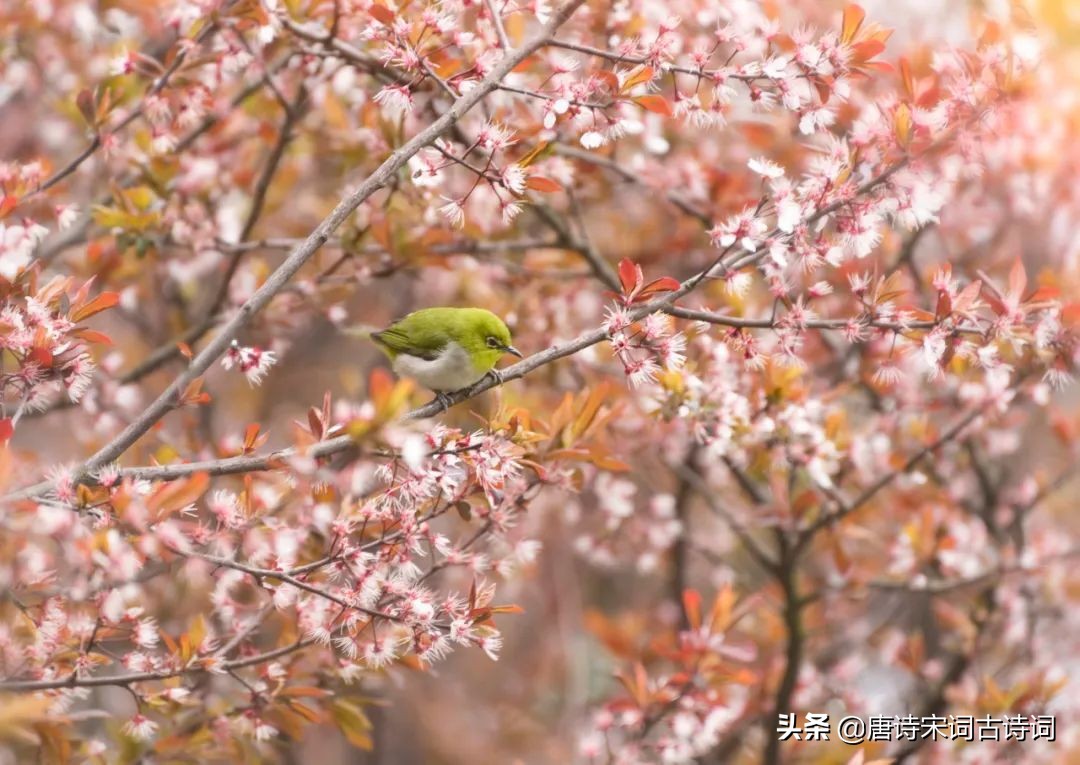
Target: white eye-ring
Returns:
[493, 342]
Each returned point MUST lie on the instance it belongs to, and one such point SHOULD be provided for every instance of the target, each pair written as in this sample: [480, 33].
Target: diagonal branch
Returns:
[299, 256]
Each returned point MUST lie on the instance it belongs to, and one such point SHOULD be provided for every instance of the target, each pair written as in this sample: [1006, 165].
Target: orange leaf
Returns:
[7, 204]
[596, 398]
[1045, 292]
[6, 430]
[382, 13]
[304, 691]
[529, 158]
[906, 78]
[902, 124]
[722, 608]
[179, 494]
[102, 302]
[609, 79]
[185, 351]
[880, 66]
[853, 19]
[92, 336]
[580, 455]
[540, 183]
[611, 464]
[692, 607]
[1070, 314]
[380, 384]
[867, 49]
[654, 103]
[643, 75]
[194, 394]
[250, 434]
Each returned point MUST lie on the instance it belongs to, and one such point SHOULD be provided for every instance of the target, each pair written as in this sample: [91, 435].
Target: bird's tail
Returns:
[371, 333]
[360, 331]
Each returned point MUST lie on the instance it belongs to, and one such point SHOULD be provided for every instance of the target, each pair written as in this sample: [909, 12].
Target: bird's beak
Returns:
[513, 350]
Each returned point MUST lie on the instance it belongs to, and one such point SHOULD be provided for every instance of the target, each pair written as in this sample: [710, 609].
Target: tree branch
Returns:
[165, 402]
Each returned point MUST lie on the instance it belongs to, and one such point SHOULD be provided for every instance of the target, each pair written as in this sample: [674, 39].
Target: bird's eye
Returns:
[493, 342]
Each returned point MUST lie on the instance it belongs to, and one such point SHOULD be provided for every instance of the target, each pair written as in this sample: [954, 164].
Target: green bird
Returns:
[446, 349]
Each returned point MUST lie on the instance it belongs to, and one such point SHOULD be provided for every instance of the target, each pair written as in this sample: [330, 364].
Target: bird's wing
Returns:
[401, 337]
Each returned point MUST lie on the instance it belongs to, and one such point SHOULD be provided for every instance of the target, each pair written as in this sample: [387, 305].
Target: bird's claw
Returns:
[444, 400]
[497, 376]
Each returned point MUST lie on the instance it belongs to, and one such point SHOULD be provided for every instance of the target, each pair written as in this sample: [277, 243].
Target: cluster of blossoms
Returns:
[253, 362]
[622, 531]
[42, 333]
[647, 347]
[682, 708]
[357, 576]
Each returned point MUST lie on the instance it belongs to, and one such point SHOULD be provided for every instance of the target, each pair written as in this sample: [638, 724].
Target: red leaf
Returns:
[185, 351]
[85, 103]
[102, 302]
[654, 103]
[315, 423]
[540, 183]
[629, 275]
[944, 305]
[383, 14]
[663, 284]
[995, 303]
[41, 356]
[692, 607]
[7, 204]
[6, 430]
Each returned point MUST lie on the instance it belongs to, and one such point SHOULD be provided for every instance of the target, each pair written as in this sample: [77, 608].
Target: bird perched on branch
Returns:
[446, 349]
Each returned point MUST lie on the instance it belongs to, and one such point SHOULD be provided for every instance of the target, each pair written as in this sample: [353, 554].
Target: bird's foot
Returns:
[497, 376]
[444, 400]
